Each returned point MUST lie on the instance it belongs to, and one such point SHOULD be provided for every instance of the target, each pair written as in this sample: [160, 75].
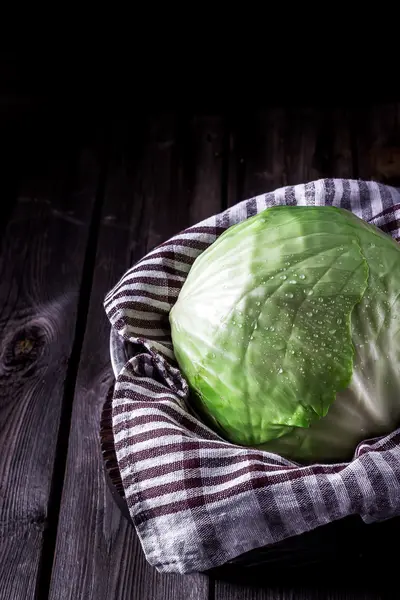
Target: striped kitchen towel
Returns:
[196, 500]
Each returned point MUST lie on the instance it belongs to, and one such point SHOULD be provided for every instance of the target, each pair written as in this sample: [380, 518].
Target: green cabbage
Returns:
[287, 332]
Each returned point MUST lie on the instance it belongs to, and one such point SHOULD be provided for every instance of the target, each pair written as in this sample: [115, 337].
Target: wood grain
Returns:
[322, 592]
[256, 154]
[162, 176]
[278, 147]
[378, 143]
[333, 149]
[40, 277]
[9, 178]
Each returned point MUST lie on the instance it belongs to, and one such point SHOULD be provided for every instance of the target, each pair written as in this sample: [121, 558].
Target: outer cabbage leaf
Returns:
[280, 327]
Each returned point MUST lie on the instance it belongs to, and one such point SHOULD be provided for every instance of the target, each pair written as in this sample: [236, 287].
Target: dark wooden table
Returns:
[81, 203]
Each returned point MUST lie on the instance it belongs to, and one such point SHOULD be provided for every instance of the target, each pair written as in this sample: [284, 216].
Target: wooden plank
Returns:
[202, 158]
[333, 147]
[256, 154]
[9, 177]
[378, 143]
[40, 277]
[278, 147]
[160, 180]
[312, 592]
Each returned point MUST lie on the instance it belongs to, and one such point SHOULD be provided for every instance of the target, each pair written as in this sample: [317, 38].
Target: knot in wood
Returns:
[24, 348]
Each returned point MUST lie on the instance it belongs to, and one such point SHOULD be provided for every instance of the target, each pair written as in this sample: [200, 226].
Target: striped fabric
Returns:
[198, 501]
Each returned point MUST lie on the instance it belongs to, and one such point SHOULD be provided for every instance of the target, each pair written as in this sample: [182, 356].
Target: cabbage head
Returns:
[287, 330]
